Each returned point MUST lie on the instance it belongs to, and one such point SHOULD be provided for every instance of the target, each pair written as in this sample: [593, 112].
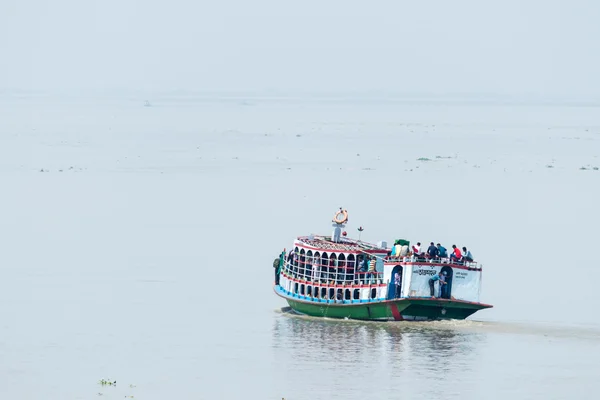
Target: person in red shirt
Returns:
[456, 254]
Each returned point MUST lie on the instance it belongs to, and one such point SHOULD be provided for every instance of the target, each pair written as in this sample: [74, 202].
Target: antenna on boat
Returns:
[360, 229]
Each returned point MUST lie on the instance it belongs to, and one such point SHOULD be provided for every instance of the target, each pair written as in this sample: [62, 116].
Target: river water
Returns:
[138, 245]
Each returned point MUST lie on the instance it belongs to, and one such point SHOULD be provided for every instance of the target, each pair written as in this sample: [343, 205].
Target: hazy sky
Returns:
[506, 47]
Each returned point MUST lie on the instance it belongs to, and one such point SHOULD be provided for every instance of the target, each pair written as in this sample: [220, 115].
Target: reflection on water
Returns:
[392, 349]
[342, 359]
[350, 337]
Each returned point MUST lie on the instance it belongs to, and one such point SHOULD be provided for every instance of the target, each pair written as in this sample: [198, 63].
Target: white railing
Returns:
[328, 274]
[335, 262]
[435, 260]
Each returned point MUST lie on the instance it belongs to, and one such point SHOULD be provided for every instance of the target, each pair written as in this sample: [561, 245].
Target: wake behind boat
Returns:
[337, 277]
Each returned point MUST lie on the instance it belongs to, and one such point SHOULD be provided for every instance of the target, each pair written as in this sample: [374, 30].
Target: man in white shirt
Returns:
[417, 249]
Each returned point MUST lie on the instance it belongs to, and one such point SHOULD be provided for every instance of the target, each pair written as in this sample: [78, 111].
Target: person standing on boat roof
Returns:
[467, 256]
[432, 281]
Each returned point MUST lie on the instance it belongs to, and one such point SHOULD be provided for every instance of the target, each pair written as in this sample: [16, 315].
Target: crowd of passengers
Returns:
[436, 253]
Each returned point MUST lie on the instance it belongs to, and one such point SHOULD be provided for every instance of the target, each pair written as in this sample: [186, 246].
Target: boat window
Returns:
[348, 294]
[373, 293]
[356, 294]
[302, 290]
[296, 254]
[323, 293]
[301, 264]
[295, 288]
[351, 261]
[309, 290]
[308, 266]
[331, 293]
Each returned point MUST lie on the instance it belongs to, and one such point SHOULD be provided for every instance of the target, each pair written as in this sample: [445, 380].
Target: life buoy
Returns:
[343, 214]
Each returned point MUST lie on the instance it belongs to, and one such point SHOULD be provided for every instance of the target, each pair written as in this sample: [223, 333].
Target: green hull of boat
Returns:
[395, 310]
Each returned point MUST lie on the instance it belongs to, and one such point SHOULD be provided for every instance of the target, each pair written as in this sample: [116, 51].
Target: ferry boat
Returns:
[338, 277]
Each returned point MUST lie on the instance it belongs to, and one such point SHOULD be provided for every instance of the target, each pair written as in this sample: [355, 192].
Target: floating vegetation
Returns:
[109, 382]
[440, 157]
[423, 159]
[549, 166]
[595, 168]
[583, 169]
[62, 170]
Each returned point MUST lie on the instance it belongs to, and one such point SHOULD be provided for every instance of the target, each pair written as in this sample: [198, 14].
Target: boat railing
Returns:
[327, 274]
[299, 259]
[435, 260]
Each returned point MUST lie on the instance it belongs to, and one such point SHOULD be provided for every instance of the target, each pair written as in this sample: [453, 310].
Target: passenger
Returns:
[372, 272]
[295, 263]
[417, 249]
[442, 252]
[362, 268]
[350, 270]
[311, 266]
[456, 255]
[316, 270]
[399, 251]
[290, 258]
[361, 262]
[276, 263]
[341, 271]
[432, 252]
[467, 256]
[443, 285]
[331, 270]
[397, 283]
[432, 281]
